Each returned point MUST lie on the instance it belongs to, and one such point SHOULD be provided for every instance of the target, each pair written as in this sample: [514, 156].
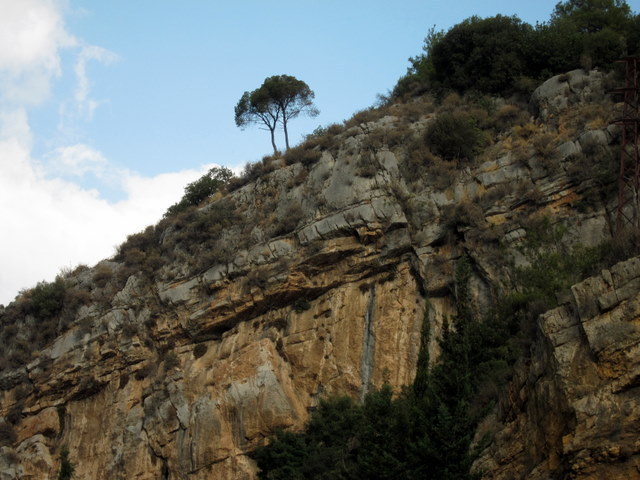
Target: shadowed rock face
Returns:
[183, 373]
[573, 411]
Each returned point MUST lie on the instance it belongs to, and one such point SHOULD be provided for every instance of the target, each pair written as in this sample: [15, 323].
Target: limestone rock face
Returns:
[322, 288]
[572, 411]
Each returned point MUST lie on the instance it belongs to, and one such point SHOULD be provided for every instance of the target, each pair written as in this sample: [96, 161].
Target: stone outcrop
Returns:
[572, 410]
[323, 289]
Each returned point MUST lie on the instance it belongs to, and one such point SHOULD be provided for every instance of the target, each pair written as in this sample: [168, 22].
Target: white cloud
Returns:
[76, 160]
[31, 35]
[48, 222]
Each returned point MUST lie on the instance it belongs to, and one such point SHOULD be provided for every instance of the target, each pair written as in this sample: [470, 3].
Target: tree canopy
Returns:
[500, 54]
[279, 99]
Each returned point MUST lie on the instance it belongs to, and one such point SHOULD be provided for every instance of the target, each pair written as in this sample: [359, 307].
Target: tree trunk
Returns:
[273, 141]
[286, 134]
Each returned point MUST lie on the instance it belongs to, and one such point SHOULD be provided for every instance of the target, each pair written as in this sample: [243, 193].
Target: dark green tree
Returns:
[454, 136]
[66, 467]
[279, 99]
[419, 74]
[46, 300]
[485, 54]
[595, 31]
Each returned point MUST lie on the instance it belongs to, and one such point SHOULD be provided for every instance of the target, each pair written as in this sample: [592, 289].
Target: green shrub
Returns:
[301, 305]
[196, 192]
[486, 54]
[46, 300]
[503, 54]
[454, 136]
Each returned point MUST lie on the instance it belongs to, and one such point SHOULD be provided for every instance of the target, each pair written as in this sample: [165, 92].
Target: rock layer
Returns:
[572, 411]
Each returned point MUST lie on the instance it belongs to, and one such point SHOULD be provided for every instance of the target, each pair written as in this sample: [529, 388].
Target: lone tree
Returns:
[279, 99]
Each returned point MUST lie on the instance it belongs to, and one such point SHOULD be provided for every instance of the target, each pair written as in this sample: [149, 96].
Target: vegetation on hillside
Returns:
[504, 55]
[427, 429]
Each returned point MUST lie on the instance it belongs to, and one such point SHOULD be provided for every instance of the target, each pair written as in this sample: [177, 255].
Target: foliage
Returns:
[303, 154]
[424, 432]
[195, 192]
[47, 299]
[301, 305]
[485, 54]
[279, 99]
[66, 467]
[500, 54]
[255, 107]
[454, 136]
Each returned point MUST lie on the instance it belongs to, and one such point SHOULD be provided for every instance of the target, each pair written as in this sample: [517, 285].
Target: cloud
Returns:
[48, 220]
[50, 223]
[31, 35]
[76, 160]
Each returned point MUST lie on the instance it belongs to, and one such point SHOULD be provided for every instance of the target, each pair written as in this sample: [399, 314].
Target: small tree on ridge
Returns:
[279, 99]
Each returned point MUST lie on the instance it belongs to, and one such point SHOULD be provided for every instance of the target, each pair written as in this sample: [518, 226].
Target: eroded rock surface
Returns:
[572, 411]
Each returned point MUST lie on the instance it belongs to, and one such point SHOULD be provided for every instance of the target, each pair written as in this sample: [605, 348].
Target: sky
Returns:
[109, 108]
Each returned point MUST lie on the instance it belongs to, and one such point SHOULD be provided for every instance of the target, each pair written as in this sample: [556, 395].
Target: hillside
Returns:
[314, 275]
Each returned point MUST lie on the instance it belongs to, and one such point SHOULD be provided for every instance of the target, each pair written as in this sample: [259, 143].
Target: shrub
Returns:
[15, 413]
[367, 165]
[102, 275]
[303, 154]
[289, 221]
[146, 370]
[324, 138]
[199, 350]
[204, 187]
[47, 299]
[66, 467]
[364, 116]
[508, 116]
[171, 361]
[544, 145]
[301, 305]
[484, 54]
[454, 136]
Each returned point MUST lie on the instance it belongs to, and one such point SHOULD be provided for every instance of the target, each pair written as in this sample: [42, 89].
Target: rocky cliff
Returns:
[209, 331]
[572, 410]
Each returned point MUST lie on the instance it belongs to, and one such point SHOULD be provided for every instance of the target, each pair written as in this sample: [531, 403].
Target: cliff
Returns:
[214, 328]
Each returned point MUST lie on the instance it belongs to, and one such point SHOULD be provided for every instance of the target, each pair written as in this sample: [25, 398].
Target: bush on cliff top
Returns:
[498, 54]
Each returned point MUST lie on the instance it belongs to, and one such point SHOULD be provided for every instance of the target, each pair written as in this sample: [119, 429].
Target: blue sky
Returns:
[108, 108]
